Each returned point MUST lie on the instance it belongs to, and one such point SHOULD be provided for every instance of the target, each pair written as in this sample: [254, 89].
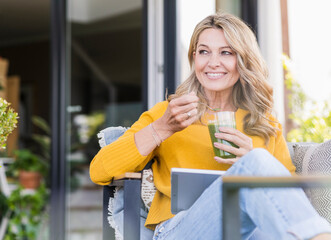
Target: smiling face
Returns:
[215, 63]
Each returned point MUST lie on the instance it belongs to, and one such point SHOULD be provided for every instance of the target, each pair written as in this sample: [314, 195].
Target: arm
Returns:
[135, 148]
[117, 158]
[174, 119]
[122, 155]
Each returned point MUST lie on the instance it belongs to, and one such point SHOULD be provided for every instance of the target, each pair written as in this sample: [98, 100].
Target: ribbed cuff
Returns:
[125, 150]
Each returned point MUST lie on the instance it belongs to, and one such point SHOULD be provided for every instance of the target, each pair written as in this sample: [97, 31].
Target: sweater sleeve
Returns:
[281, 151]
[122, 155]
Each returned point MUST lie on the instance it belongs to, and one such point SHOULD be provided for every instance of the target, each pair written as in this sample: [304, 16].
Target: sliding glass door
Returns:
[106, 89]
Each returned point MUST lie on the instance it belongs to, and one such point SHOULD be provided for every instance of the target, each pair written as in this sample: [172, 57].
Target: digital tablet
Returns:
[188, 184]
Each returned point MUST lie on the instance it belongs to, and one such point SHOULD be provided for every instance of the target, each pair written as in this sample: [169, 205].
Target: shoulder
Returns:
[268, 119]
[241, 113]
[273, 121]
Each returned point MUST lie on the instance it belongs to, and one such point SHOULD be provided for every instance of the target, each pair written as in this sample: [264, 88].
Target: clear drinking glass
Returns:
[217, 120]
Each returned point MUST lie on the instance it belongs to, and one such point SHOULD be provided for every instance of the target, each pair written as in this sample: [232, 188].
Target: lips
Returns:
[215, 75]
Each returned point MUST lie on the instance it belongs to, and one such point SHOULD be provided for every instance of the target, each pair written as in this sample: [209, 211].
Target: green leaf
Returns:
[313, 122]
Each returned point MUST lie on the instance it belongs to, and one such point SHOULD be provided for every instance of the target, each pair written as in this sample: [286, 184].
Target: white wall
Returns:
[190, 12]
[310, 46]
[270, 41]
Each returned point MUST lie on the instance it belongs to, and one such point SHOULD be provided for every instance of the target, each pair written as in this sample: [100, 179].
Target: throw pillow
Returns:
[317, 161]
[148, 188]
[299, 152]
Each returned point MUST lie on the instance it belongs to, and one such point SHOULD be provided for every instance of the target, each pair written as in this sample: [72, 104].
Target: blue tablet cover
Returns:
[188, 184]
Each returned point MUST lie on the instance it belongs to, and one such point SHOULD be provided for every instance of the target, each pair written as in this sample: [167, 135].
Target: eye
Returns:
[203, 52]
[226, 53]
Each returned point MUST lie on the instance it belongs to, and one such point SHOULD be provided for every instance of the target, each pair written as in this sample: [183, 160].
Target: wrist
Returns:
[162, 130]
[158, 140]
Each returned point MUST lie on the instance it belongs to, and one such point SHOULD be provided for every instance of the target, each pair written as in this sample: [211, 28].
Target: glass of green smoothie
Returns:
[217, 120]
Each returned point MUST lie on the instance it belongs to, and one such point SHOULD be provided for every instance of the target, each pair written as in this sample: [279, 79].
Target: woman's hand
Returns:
[181, 113]
[244, 143]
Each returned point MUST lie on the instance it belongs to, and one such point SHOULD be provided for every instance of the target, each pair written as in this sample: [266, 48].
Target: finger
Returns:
[189, 107]
[186, 99]
[191, 116]
[227, 148]
[192, 113]
[184, 120]
[226, 160]
[235, 136]
[177, 110]
[242, 143]
[234, 132]
[239, 152]
[229, 137]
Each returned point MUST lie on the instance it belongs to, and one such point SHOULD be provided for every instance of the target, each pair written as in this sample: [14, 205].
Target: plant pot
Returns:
[30, 180]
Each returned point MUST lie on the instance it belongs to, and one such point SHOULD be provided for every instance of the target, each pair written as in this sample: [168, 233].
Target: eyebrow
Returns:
[203, 45]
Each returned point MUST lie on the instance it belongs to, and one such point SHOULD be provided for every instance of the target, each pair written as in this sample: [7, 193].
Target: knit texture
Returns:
[189, 148]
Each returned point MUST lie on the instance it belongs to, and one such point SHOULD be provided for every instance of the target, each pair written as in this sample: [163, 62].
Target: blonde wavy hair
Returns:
[251, 92]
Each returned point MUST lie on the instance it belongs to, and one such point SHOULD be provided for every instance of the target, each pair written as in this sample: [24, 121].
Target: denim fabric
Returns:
[110, 134]
[283, 213]
[118, 205]
[268, 213]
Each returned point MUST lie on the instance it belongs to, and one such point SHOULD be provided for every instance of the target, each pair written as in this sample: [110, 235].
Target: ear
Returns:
[194, 54]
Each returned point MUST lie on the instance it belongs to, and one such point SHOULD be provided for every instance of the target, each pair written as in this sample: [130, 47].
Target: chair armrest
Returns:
[132, 175]
[128, 175]
[118, 181]
[131, 182]
[230, 192]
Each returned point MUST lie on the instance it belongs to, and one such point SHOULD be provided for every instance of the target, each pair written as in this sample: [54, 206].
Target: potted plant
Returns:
[30, 168]
[8, 121]
[28, 213]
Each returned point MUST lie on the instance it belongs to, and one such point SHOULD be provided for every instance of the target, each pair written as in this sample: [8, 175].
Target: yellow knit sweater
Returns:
[189, 148]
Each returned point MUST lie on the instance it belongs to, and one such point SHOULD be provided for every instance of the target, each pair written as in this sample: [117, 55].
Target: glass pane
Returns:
[106, 90]
[25, 83]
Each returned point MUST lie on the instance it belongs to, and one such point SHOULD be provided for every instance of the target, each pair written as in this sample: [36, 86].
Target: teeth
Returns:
[215, 74]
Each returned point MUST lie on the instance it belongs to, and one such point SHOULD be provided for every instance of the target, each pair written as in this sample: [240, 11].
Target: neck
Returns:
[222, 100]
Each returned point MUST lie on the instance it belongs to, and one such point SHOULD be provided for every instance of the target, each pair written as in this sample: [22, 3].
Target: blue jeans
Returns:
[266, 213]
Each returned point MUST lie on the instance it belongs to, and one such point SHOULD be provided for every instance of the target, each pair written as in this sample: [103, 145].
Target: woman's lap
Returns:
[203, 220]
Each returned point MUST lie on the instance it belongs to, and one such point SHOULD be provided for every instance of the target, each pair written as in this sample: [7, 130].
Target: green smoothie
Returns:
[214, 128]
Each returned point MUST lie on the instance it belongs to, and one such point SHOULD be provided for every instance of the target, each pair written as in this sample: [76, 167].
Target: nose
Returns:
[214, 61]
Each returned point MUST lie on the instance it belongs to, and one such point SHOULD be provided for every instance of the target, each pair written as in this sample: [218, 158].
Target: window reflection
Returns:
[106, 90]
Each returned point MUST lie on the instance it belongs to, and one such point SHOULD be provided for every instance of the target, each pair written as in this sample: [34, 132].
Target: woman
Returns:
[229, 73]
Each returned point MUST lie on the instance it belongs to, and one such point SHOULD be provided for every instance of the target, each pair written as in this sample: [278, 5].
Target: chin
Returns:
[215, 87]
